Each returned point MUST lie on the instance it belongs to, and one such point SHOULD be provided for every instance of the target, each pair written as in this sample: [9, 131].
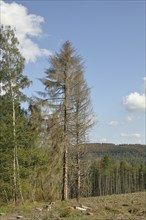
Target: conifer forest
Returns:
[45, 151]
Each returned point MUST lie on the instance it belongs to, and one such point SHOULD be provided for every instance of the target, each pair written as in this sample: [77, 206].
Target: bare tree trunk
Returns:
[18, 175]
[15, 163]
[14, 135]
[6, 196]
[78, 176]
[65, 175]
[65, 152]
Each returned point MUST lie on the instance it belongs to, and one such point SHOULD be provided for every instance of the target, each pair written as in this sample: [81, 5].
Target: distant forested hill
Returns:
[134, 153]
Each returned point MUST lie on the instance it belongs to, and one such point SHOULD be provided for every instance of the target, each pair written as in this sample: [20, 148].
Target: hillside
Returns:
[115, 207]
[132, 153]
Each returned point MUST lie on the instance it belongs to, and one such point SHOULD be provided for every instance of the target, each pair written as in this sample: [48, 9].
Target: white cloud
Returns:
[134, 102]
[133, 135]
[27, 26]
[113, 123]
[133, 138]
[104, 140]
[130, 118]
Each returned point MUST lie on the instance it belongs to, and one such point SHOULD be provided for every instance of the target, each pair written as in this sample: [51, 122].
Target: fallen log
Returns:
[80, 208]
[86, 207]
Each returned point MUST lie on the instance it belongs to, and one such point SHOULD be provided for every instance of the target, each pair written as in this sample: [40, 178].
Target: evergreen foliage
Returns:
[42, 148]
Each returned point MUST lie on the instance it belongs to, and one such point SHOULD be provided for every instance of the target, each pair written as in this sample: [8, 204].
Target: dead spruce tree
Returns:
[83, 120]
[64, 81]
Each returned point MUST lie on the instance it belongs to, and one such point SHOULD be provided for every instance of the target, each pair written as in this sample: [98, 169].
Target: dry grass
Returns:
[115, 207]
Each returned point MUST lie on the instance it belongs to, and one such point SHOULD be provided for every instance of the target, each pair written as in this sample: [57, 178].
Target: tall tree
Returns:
[63, 77]
[12, 82]
[83, 119]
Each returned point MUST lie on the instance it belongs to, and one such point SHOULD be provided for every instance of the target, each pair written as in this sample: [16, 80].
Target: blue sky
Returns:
[110, 37]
